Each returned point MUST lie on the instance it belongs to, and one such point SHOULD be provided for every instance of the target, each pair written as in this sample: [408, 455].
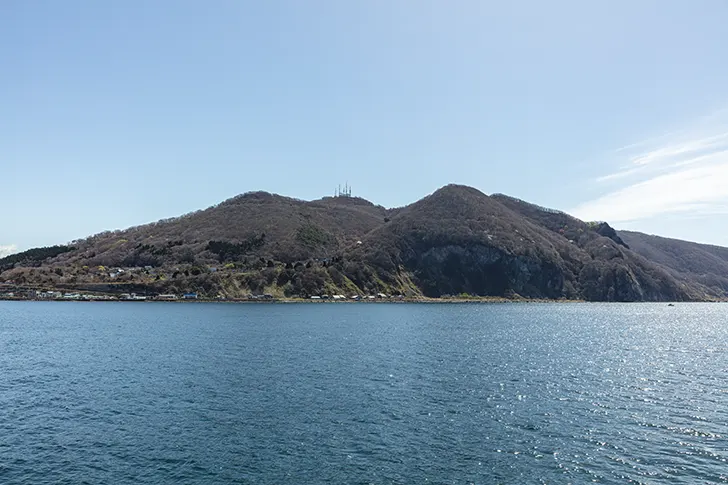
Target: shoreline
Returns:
[290, 300]
[430, 301]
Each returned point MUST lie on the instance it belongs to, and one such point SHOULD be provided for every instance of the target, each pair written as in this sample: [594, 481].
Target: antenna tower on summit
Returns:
[346, 192]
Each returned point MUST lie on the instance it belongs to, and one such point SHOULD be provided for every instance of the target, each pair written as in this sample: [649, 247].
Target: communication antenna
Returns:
[346, 192]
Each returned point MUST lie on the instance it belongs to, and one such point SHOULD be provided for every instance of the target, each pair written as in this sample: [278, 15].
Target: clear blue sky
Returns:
[114, 114]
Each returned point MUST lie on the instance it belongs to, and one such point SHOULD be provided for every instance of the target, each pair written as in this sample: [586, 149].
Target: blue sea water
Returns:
[165, 393]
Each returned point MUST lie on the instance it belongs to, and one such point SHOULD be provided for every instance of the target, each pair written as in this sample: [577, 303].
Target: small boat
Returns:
[670, 304]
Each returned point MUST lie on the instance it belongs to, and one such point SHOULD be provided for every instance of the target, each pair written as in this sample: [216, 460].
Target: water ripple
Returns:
[379, 394]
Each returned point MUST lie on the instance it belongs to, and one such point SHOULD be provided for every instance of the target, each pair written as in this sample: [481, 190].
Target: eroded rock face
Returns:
[604, 229]
[483, 270]
[611, 281]
[479, 269]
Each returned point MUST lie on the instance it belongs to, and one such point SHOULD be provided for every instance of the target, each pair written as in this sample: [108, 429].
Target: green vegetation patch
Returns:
[227, 251]
[33, 256]
[313, 236]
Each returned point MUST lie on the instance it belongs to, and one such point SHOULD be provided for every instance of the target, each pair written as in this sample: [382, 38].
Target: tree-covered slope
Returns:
[459, 240]
[703, 263]
[255, 224]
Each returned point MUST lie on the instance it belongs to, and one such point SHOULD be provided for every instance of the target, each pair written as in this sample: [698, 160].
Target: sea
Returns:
[339, 393]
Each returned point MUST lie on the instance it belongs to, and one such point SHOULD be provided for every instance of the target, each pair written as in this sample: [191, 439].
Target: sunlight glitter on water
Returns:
[385, 394]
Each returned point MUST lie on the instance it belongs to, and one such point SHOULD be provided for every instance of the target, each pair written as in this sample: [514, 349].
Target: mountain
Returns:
[459, 240]
[702, 263]
[456, 241]
[615, 267]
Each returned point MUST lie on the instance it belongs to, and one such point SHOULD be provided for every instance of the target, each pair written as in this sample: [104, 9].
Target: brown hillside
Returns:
[702, 263]
[459, 240]
[282, 228]
[455, 241]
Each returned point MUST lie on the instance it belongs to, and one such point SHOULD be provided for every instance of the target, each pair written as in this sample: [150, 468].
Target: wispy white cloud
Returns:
[7, 250]
[679, 150]
[625, 172]
[685, 173]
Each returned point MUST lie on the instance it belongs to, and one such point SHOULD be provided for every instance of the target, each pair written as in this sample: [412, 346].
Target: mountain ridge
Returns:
[454, 241]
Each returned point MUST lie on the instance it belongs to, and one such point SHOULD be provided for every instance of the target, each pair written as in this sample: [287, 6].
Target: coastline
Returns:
[428, 301]
[453, 300]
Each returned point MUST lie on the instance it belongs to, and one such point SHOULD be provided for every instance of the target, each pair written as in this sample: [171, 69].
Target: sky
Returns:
[114, 114]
